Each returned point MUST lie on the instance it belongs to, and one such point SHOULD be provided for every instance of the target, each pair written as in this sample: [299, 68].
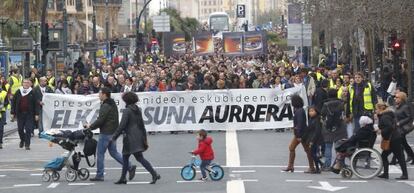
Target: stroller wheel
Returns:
[71, 175]
[55, 176]
[346, 173]
[46, 176]
[83, 174]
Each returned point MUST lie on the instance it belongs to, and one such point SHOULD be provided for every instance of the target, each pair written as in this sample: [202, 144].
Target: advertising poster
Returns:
[203, 43]
[233, 43]
[254, 43]
[175, 44]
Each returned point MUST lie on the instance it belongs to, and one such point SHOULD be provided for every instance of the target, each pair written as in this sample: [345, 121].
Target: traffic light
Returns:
[112, 46]
[397, 48]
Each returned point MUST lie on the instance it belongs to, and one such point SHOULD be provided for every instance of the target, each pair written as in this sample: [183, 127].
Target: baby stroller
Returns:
[68, 140]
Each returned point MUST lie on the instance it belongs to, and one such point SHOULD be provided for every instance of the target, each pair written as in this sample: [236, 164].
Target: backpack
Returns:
[332, 121]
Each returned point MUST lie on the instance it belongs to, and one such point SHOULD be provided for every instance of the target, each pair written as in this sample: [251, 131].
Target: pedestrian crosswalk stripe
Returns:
[26, 185]
[53, 185]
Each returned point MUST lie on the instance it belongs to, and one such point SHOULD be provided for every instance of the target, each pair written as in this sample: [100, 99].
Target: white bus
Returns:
[219, 22]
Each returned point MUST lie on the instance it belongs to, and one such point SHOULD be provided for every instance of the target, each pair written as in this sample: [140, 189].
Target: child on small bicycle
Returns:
[205, 151]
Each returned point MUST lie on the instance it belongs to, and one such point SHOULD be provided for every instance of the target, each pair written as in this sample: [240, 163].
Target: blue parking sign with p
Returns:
[241, 11]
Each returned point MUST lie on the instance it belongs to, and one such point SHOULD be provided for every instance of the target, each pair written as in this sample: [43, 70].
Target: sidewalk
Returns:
[11, 127]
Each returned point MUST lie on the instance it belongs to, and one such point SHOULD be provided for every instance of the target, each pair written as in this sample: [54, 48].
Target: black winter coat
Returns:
[34, 108]
[313, 133]
[319, 98]
[340, 133]
[107, 120]
[386, 123]
[404, 116]
[133, 129]
[299, 122]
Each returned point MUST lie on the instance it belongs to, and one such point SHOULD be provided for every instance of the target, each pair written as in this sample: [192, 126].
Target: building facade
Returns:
[80, 14]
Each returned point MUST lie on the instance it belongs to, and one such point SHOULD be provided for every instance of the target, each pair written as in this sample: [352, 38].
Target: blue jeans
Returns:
[103, 145]
[315, 151]
[2, 121]
[204, 164]
[328, 155]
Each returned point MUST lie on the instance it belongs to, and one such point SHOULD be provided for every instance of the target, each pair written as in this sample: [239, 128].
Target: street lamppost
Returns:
[107, 28]
[139, 18]
[36, 25]
[65, 31]
[94, 28]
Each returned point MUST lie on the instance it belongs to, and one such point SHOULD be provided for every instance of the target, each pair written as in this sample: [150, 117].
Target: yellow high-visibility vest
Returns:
[3, 97]
[17, 83]
[51, 82]
[319, 76]
[340, 91]
[368, 104]
[69, 79]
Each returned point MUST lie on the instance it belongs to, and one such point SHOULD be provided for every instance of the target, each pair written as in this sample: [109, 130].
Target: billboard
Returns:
[174, 44]
[254, 42]
[203, 43]
[232, 43]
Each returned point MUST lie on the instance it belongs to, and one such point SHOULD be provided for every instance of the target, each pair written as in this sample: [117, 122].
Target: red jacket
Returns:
[204, 149]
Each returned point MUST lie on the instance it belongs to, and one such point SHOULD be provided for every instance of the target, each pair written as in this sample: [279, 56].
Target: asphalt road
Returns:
[252, 160]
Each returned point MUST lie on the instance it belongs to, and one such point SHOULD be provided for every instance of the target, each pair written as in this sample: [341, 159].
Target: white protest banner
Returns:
[183, 110]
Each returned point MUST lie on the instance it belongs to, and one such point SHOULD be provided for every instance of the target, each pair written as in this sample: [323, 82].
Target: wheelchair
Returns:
[365, 162]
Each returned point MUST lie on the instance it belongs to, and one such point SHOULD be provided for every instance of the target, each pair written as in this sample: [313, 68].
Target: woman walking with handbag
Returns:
[135, 137]
[391, 140]
[300, 133]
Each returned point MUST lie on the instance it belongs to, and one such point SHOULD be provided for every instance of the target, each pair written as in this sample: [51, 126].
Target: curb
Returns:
[9, 132]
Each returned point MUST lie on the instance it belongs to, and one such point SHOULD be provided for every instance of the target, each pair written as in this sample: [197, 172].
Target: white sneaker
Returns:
[203, 179]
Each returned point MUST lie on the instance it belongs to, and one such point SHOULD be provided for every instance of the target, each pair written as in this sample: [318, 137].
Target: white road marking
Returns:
[327, 187]
[293, 172]
[235, 186]
[353, 181]
[243, 171]
[308, 181]
[250, 180]
[27, 185]
[2, 176]
[94, 173]
[81, 184]
[36, 174]
[232, 149]
[53, 185]
[192, 181]
[411, 183]
[131, 183]
[394, 170]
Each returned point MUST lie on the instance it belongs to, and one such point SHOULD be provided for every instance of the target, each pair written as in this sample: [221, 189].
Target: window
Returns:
[51, 4]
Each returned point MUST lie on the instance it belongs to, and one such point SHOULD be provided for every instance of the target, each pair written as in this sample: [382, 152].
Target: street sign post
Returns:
[90, 46]
[22, 44]
[161, 23]
[241, 11]
[299, 35]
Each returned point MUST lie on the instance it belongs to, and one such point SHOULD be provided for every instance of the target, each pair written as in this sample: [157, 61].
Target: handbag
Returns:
[89, 149]
[385, 145]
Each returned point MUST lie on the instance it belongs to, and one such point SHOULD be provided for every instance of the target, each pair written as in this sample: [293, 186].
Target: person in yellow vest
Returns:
[15, 81]
[346, 84]
[69, 76]
[50, 79]
[362, 99]
[333, 80]
[3, 104]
